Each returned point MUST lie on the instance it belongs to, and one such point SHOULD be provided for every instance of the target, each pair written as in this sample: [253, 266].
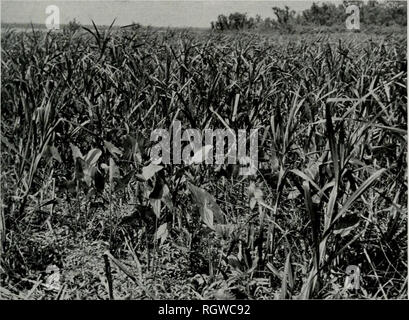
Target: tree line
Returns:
[372, 12]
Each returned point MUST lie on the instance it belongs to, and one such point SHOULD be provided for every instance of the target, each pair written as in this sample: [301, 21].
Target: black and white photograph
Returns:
[203, 150]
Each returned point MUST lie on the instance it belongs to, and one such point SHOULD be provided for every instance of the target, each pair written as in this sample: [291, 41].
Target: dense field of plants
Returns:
[86, 215]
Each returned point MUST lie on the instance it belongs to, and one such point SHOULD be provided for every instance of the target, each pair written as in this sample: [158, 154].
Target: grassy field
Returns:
[85, 215]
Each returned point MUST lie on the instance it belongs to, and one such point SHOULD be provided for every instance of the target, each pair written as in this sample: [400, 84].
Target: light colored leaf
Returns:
[161, 231]
[150, 170]
[294, 194]
[76, 152]
[207, 215]
[55, 154]
[156, 206]
[113, 170]
[201, 154]
[224, 230]
[93, 156]
[112, 149]
[253, 203]
[202, 197]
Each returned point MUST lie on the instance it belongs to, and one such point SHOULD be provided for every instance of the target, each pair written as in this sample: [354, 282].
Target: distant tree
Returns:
[258, 19]
[327, 14]
[283, 15]
[237, 20]
[250, 23]
[72, 26]
[222, 23]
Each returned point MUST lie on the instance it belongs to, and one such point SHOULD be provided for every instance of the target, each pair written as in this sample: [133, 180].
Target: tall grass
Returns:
[330, 190]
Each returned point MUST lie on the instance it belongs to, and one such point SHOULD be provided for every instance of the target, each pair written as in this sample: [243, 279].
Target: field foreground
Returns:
[88, 216]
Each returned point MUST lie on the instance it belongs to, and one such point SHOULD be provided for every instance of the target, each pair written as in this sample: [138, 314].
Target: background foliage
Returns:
[372, 14]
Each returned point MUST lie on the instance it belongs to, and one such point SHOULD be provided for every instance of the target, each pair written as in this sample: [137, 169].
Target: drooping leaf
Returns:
[162, 233]
[224, 231]
[149, 171]
[105, 167]
[89, 174]
[92, 156]
[114, 151]
[161, 192]
[76, 152]
[201, 154]
[156, 206]
[87, 178]
[293, 194]
[202, 199]
[113, 170]
[55, 154]
[207, 215]
[122, 182]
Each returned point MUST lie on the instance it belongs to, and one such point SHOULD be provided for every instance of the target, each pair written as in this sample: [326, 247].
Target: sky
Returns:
[171, 13]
